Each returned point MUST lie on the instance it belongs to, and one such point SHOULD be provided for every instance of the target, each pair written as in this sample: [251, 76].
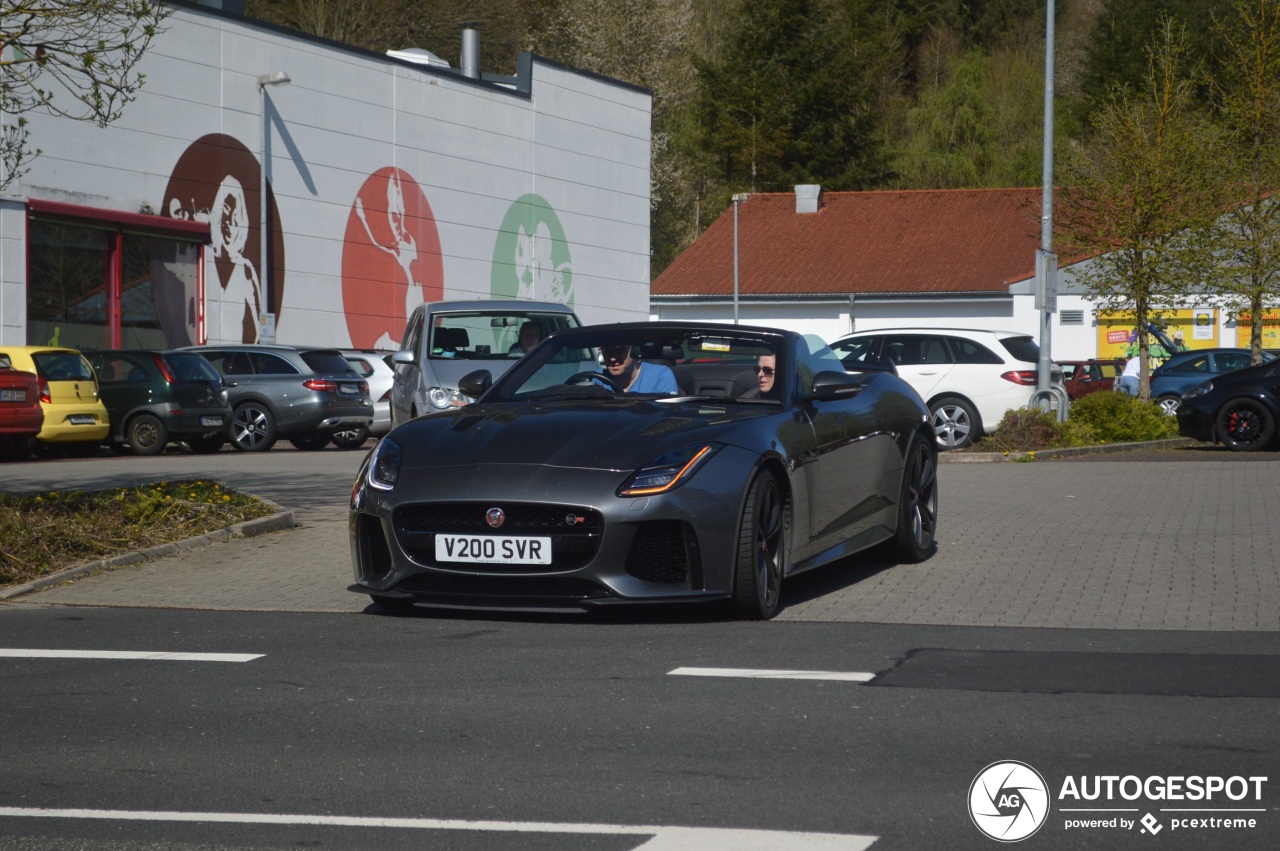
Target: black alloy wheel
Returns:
[762, 549]
[917, 505]
[1245, 425]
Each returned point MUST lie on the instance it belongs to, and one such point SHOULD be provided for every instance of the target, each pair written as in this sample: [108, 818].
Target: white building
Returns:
[389, 182]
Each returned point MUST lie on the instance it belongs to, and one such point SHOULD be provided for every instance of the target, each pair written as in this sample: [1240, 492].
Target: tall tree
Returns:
[1247, 90]
[74, 58]
[788, 99]
[1133, 199]
[435, 25]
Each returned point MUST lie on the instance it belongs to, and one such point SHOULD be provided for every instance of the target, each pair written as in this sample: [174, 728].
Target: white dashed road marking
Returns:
[663, 838]
[766, 674]
[148, 656]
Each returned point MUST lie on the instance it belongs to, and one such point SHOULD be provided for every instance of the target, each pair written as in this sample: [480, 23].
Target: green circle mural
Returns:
[531, 254]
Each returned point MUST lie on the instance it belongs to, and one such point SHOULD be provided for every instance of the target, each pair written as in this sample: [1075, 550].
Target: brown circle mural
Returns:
[391, 259]
[216, 180]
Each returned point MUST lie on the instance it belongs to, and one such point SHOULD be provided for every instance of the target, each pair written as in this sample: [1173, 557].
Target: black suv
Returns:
[301, 393]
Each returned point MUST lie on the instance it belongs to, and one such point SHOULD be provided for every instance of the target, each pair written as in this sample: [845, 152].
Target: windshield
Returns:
[488, 334]
[188, 366]
[656, 361]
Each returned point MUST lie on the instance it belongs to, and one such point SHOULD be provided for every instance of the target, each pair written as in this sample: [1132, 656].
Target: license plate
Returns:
[19, 395]
[82, 419]
[211, 421]
[348, 389]
[492, 549]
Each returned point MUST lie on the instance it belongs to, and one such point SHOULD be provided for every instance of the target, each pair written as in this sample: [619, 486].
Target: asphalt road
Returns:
[352, 728]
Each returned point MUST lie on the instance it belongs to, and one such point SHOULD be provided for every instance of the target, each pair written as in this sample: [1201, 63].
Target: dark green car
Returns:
[155, 397]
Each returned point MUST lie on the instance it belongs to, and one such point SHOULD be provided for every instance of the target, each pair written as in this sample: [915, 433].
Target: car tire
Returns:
[311, 442]
[146, 435]
[1169, 404]
[763, 541]
[955, 422]
[1245, 425]
[352, 438]
[206, 445]
[917, 505]
[253, 428]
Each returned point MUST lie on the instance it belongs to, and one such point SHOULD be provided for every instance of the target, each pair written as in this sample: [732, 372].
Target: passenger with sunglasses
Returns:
[766, 369]
[623, 365]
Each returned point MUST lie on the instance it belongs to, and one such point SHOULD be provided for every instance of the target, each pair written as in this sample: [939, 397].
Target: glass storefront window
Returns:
[67, 286]
[72, 300]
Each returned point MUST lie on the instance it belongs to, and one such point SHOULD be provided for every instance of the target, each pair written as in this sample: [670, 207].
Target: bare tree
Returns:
[74, 58]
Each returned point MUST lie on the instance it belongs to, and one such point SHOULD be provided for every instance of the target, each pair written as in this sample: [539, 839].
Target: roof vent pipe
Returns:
[470, 51]
[808, 198]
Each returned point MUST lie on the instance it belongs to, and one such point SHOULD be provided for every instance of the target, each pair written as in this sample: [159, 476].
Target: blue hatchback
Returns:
[1185, 370]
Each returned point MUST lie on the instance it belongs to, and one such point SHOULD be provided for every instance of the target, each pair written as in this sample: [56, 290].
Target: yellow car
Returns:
[74, 416]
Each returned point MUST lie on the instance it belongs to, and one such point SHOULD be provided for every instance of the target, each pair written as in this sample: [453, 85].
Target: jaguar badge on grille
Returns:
[495, 517]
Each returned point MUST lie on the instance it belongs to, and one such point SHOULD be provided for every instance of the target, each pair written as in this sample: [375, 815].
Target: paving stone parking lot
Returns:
[1175, 539]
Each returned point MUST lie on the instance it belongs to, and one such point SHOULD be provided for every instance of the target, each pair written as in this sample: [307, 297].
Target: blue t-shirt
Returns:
[653, 378]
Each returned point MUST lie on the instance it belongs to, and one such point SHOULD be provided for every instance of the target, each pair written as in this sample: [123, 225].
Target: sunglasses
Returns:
[618, 353]
[767, 370]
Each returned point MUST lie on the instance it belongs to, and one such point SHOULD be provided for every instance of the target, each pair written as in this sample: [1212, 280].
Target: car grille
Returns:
[666, 551]
[574, 531]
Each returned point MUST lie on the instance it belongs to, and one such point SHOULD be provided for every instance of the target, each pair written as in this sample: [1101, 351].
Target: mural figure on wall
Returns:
[391, 259]
[531, 255]
[216, 180]
[241, 290]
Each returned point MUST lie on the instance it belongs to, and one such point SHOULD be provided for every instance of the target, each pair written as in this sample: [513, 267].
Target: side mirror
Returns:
[835, 385]
[406, 356]
[474, 384]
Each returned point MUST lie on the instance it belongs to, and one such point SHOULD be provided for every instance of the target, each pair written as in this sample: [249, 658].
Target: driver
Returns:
[622, 363]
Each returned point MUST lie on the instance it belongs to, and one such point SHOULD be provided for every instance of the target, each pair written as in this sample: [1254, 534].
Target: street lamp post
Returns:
[1046, 261]
[737, 199]
[275, 78]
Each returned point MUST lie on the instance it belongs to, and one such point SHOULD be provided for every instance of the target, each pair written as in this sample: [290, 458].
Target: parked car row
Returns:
[140, 401]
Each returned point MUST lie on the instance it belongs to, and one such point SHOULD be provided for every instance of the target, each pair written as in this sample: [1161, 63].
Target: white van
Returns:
[445, 340]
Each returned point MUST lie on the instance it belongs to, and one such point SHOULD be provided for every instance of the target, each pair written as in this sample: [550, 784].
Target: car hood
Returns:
[614, 435]
[448, 371]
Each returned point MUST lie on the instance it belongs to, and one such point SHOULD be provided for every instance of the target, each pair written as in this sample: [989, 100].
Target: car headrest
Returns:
[452, 338]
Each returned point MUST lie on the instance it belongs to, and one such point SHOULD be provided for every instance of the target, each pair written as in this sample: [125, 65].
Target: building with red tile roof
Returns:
[831, 262]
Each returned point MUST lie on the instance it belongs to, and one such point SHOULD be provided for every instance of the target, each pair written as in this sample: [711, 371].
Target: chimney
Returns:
[470, 51]
[808, 198]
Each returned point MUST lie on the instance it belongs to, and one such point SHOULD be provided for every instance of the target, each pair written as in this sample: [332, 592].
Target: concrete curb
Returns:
[1051, 454]
[278, 522]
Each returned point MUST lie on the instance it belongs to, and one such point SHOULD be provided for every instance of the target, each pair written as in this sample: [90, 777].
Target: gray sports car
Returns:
[653, 462]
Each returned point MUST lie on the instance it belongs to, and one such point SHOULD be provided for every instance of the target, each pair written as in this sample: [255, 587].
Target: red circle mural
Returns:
[390, 258]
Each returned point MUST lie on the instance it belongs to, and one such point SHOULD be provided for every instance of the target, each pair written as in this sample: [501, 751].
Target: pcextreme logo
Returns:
[1008, 801]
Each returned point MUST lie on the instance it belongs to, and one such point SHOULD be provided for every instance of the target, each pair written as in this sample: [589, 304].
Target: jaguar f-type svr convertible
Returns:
[649, 462]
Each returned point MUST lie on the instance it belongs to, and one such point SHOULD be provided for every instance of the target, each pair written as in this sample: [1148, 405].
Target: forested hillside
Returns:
[759, 95]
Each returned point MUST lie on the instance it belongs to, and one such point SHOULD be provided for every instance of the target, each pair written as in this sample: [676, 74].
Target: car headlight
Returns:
[669, 471]
[1199, 390]
[384, 466]
[446, 397]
